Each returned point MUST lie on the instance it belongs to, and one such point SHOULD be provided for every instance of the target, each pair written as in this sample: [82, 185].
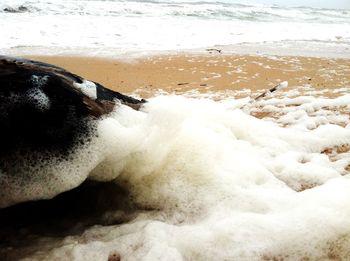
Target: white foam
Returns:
[88, 88]
[283, 85]
[79, 27]
[38, 98]
[222, 184]
[43, 176]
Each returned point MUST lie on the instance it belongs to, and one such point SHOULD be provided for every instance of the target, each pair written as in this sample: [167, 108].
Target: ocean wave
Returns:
[22, 8]
[193, 9]
[158, 26]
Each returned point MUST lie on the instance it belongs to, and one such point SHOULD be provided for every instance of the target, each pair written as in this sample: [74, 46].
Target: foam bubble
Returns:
[31, 175]
[39, 81]
[38, 99]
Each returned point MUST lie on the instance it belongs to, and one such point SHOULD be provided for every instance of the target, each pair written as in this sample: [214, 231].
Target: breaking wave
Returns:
[134, 26]
[197, 9]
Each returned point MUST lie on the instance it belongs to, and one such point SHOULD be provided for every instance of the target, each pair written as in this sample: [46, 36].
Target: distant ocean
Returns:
[166, 25]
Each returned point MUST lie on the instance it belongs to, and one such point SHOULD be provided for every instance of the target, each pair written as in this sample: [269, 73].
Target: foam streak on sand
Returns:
[212, 182]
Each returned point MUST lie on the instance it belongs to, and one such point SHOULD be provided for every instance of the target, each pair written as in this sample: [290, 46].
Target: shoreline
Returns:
[204, 73]
[301, 48]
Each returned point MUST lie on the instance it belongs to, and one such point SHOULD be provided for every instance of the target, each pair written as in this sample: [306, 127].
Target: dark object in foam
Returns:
[44, 107]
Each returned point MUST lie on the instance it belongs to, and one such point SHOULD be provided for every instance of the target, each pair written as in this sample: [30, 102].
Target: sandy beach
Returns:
[212, 166]
[207, 172]
[210, 72]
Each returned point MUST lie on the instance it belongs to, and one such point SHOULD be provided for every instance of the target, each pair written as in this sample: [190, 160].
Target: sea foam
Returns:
[211, 182]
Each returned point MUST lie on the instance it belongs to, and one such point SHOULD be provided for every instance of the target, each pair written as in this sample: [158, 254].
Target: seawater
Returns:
[126, 26]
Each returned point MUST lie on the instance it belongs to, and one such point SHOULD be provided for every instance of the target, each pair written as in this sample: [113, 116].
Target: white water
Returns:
[119, 27]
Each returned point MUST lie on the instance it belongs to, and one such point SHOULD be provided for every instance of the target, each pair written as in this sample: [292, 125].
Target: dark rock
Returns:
[44, 106]
[46, 112]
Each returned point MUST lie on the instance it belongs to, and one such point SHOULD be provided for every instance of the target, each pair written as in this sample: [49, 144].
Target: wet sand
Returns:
[207, 72]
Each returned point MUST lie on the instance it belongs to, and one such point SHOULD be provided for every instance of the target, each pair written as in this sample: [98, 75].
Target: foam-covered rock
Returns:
[48, 128]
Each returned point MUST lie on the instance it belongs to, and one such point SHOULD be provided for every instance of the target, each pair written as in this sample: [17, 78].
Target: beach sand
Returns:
[210, 72]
